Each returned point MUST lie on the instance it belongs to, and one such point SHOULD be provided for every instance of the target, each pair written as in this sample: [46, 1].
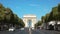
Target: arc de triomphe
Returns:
[29, 20]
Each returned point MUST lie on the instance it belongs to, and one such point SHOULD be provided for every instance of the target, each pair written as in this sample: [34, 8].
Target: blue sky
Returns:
[37, 7]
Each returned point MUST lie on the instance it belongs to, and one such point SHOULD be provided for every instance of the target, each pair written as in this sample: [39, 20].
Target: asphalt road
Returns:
[26, 31]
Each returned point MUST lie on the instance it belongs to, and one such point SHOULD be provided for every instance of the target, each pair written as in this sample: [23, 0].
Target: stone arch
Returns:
[31, 19]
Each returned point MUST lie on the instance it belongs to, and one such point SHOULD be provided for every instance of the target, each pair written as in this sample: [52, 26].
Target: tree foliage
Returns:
[8, 17]
[54, 15]
[39, 23]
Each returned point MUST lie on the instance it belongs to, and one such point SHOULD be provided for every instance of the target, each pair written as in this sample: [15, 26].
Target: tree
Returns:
[59, 8]
[59, 12]
[8, 17]
[21, 22]
[39, 23]
[2, 8]
[54, 15]
[45, 20]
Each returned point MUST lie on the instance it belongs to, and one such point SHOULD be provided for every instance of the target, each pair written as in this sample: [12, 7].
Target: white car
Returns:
[32, 28]
[11, 29]
[22, 29]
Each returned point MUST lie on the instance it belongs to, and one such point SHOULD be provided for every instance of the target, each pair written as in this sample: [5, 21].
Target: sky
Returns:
[36, 7]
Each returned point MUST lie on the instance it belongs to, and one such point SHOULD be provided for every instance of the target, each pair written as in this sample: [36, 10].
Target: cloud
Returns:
[34, 5]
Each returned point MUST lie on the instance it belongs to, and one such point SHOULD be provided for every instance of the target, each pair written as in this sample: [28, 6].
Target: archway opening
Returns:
[29, 23]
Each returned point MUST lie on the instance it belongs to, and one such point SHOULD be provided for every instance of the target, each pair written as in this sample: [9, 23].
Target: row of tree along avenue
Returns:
[9, 19]
[54, 15]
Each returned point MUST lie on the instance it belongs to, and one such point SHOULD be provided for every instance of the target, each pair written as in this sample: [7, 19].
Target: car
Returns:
[22, 29]
[12, 29]
[32, 28]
